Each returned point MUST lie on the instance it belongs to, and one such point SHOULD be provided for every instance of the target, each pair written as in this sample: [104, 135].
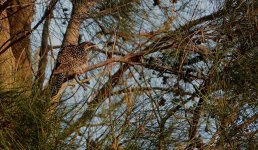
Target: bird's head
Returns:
[88, 45]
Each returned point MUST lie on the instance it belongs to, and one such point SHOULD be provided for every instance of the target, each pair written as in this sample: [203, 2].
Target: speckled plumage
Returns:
[59, 79]
[69, 59]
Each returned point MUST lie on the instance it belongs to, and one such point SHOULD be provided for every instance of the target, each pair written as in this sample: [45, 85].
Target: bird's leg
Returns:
[86, 77]
[79, 82]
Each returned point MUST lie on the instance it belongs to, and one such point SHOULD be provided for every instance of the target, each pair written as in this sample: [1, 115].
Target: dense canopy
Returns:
[167, 74]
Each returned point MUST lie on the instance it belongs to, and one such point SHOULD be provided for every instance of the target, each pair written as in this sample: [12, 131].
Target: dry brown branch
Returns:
[194, 122]
[5, 5]
[97, 50]
[247, 122]
[129, 59]
[98, 99]
[132, 58]
[141, 89]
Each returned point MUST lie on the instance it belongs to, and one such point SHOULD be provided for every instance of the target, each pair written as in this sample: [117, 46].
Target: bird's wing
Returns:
[72, 54]
[65, 54]
[69, 58]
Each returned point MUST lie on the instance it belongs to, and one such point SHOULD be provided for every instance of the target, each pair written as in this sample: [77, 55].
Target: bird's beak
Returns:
[91, 47]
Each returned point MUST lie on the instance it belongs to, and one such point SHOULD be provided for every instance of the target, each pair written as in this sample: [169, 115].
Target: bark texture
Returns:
[20, 17]
[7, 61]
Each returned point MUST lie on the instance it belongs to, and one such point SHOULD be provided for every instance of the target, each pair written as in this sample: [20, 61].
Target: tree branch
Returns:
[44, 50]
[104, 92]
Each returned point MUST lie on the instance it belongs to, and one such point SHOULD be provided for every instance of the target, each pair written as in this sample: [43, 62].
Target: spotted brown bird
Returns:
[69, 60]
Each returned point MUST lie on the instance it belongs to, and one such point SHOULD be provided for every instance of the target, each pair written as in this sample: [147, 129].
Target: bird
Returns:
[69, 60]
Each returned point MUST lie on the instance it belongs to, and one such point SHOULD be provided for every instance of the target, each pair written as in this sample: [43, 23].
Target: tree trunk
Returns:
[80, 9]
[7, 61]
[20, 17]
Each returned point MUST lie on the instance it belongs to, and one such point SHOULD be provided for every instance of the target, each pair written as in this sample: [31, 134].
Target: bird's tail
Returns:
[57, 84]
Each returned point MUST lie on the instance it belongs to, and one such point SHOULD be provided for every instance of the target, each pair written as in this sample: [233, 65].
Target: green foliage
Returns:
[24, 120]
